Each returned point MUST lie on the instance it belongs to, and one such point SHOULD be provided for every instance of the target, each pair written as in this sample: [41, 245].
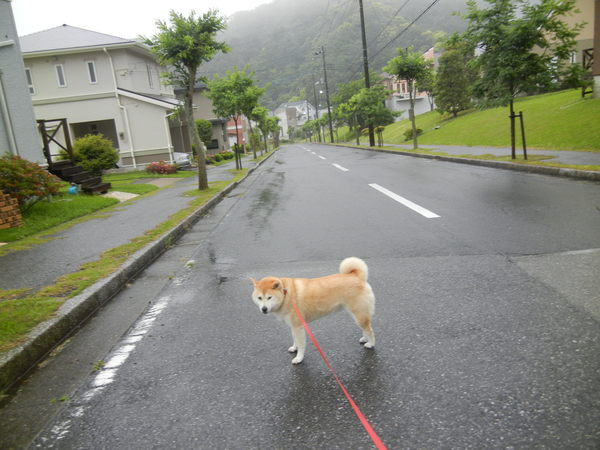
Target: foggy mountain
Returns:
[279, 40]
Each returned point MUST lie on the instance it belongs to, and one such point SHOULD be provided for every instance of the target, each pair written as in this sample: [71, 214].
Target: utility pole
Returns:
[322, 53]
[366, 65]
[316, 110]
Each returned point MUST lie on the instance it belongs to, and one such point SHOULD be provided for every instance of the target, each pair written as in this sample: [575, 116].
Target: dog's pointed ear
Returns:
[253, 281]
[277, 284]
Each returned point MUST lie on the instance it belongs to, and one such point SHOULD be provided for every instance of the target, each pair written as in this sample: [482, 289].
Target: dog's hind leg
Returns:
[299, 343]
[362, 316]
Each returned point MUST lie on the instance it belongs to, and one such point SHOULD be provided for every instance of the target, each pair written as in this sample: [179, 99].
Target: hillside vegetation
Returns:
[278, 40]
[555, 121]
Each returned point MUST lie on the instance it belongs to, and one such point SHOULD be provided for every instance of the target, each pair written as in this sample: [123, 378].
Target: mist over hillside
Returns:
[279, 40]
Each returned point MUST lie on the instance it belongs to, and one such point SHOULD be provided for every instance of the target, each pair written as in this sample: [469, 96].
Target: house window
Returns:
[150, 80]
[91, 66]
[29, 80]
[60, 75]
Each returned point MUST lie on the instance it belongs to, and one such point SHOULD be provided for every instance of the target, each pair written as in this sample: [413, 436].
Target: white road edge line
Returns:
[424, 212]
[322, 157]
[337, 166]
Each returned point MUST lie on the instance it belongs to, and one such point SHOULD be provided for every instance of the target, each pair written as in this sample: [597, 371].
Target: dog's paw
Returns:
[369, 345]
[293, 349]
[363, 340]
[297, 360]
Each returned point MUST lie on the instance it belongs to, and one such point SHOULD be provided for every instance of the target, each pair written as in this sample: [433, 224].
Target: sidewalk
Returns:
[42, 264]
[460, 154]
[559, 156]
[67, 250]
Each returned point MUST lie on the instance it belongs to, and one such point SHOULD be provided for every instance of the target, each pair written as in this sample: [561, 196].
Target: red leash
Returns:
[365, 423]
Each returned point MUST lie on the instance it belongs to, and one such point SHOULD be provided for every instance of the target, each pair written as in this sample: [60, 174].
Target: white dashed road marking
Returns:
[337, 166]
[424, 212]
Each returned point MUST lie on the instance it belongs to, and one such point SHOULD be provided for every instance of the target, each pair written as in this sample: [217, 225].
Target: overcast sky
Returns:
[122, 18]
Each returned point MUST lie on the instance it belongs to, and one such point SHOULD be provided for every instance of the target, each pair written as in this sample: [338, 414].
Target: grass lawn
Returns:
[45, 214]
[128, 181]
[555, 121]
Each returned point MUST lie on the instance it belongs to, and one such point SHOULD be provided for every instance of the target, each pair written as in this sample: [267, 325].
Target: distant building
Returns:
[18, 132]
[293, 115]
[202, 109]
[399, 99]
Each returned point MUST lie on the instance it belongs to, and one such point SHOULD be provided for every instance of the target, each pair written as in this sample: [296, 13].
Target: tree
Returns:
[183, 46]
[412, 67]
[260, 114]
[232, 96]
[455, 77]
[427, 85]
[523, 48]
[366, 108]
[205, 130]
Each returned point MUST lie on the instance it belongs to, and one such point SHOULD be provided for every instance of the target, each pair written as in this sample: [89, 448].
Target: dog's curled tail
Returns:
[355, 266]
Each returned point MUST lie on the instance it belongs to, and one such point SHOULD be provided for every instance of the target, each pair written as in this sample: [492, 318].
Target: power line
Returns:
[406, 28]
[390, 21]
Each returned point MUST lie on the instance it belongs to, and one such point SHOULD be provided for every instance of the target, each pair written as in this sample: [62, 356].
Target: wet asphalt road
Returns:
[484, 341]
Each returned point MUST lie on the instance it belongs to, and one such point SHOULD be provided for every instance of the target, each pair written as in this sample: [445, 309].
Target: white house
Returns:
[102, 84]
[294, 114]
[18, 134]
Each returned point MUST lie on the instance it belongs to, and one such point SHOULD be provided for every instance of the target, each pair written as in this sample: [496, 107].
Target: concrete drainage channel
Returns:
[18, 362]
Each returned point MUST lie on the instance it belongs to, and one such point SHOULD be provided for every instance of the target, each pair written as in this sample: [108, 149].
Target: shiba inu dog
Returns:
[317, 297]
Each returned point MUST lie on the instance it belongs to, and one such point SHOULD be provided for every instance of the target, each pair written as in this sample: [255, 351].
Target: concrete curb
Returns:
[543, 170]
[74, 312]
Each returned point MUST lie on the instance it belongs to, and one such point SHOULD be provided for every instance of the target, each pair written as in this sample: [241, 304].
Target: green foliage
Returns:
[408, 134]
[524, 47]
[279, 40]
[26, 181]
[367, 107]
[204, 130]
[455, 78]
[186, 43]
[184, 46]
[95, 153]
[412, 67]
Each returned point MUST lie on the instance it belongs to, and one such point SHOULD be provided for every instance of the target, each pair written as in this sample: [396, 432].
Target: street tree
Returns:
[366, 108]
[523, 47]
[455, 77]
[412, 67]
[260, 115]
[234, 95]
[184, 45]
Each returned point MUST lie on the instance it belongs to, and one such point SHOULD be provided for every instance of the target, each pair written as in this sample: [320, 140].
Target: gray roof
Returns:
[66, 37]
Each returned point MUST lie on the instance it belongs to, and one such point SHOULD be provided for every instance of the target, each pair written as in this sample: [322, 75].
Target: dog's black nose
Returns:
[264, 309]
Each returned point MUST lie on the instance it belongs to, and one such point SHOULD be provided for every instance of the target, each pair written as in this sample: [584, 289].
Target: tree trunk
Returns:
[194, 136]
[411, 113]
[251, 142]
[238, 158]
[512, 130]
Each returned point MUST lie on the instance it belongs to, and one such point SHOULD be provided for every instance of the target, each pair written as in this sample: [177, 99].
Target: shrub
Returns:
[408, 134]
[218, 157]
[205, 130]
[227, 155]
[161, 167]
[95, 153]
[26, 181]
[210, 159]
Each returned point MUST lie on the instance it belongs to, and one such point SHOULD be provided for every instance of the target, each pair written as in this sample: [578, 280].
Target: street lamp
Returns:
[322, 53]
